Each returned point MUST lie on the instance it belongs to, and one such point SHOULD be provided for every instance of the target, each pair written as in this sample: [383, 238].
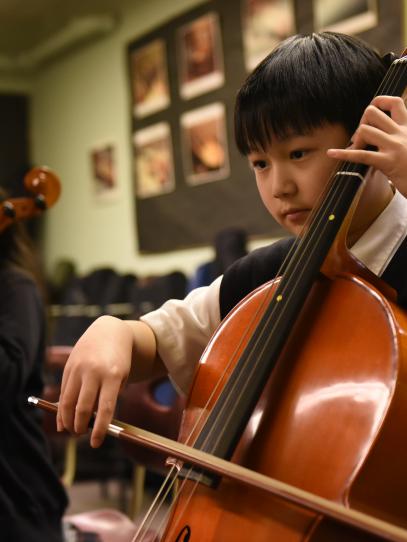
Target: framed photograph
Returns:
[348, 16]
[104, 174]
[154, 168]
[200, 56]
[205, 144]
[149, 78]
[265, 23]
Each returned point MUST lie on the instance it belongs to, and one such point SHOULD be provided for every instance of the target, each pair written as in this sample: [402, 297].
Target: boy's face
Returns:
[291, 175]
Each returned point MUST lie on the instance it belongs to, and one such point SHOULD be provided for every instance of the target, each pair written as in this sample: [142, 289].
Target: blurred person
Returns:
[32, 499]
[230, 244]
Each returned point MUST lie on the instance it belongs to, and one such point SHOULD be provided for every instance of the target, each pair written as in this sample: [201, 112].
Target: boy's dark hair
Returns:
[305, 81]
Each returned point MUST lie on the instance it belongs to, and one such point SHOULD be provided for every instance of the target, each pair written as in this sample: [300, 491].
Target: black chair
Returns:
[151, 292]
[103, 291]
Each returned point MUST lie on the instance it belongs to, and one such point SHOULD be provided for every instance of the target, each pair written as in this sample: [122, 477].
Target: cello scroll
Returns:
[45, 186]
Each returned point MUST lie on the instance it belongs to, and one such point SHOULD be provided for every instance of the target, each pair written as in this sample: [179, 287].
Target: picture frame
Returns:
[149, 78]
[103, 163]
[264, 24]
[153, 161]
[200, 56]
[347, 16]
[205, 146]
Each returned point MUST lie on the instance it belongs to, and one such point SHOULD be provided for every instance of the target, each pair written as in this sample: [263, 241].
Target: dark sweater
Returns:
[263, 264]
[32, 500]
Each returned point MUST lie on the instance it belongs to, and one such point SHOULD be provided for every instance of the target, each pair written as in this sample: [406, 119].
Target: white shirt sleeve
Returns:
[183, 328]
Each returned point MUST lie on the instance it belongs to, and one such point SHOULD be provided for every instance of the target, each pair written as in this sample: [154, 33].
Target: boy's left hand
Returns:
[383, 125]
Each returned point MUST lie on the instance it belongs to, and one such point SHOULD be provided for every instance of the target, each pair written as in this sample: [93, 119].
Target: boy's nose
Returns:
[282, 184]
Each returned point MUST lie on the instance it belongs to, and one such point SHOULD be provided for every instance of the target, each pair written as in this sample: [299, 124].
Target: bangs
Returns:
[259, 122]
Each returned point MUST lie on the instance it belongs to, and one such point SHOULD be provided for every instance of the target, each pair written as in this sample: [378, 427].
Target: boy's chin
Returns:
[297, 231]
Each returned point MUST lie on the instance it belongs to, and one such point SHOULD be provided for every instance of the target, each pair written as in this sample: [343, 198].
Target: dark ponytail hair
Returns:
[17, 250]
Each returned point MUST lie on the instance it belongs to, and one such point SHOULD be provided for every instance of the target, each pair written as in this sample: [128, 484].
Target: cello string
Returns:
[155, 507]
[186, 500]
[153, 513]
[309, 241]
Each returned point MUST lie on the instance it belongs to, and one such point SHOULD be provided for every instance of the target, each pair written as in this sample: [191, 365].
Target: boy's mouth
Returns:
[296, 215]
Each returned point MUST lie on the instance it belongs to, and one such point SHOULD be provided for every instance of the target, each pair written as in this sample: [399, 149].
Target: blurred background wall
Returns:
[77, 100]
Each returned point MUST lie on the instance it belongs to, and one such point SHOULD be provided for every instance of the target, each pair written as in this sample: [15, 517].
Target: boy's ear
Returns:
[389, 58]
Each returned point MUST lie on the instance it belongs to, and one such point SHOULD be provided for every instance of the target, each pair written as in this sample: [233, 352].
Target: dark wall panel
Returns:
[191, 215]
[14, 142]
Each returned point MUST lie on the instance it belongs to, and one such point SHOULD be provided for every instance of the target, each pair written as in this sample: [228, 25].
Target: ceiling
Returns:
[34, 31]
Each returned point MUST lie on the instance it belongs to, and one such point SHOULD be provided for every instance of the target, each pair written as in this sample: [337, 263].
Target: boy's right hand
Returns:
[384, 127]
[97, 368]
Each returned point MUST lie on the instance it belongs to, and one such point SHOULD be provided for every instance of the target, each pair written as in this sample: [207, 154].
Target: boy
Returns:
[294, 115]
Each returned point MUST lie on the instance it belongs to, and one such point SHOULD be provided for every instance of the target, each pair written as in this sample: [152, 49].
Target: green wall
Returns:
[81, 101]
[15, 84]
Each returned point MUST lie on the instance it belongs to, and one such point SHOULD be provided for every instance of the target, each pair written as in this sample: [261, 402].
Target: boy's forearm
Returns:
[145, 360]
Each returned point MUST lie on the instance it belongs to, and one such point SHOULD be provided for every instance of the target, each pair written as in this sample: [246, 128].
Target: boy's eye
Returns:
[259, 164]
[297, 154]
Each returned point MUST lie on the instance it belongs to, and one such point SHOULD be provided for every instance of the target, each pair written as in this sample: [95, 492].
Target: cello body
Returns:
[328, 420]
